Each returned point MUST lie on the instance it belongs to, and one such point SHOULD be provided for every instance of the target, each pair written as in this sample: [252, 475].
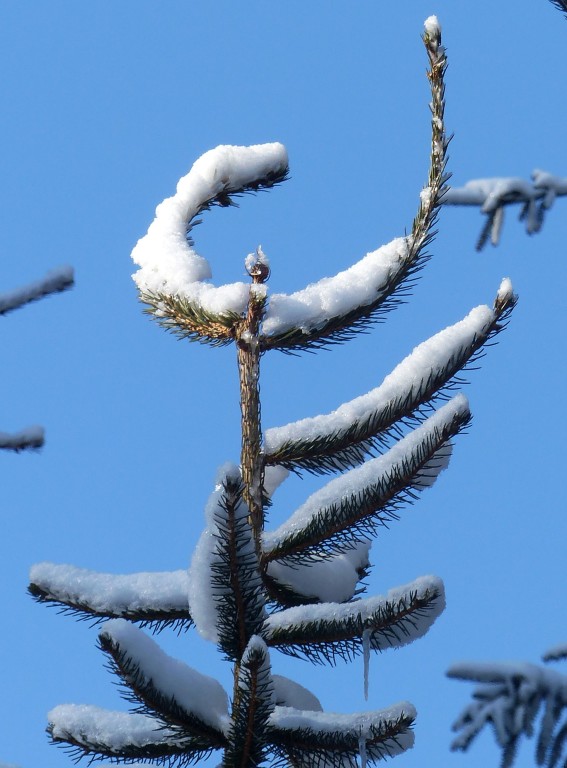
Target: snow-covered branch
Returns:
[154, 599]
[329, 630]
[345, 437]
[225, 587]
[55, 281]
[509, 698]
[351, 507]
[26, 439]
[325, 738]
[252, 707]
[169, 689]
[493, 194]
[89, 730]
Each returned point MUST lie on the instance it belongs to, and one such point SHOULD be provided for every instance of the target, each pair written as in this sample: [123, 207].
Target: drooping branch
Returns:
[329, 630]
[351, 507]
[509, 698]
[325, 739]
[166, 688]
[99, 733]
[361, 427]
[154, 600]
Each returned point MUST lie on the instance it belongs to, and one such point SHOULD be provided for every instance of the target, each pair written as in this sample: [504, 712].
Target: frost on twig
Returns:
[494, 194]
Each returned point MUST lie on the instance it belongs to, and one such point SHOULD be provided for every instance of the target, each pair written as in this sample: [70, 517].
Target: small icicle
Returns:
[362, 749]
[366, 651]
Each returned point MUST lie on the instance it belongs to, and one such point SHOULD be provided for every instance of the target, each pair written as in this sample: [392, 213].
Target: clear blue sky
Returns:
[104, 106]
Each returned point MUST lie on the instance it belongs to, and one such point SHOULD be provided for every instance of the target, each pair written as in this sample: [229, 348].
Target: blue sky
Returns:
[105, 106]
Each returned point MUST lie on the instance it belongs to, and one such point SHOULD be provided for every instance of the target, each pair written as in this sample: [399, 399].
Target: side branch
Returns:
[55, 281]
[335, 309]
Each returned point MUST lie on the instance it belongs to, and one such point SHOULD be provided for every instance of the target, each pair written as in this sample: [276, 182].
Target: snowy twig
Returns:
[492, 195]
[55, 281]
[509, 698]
[30, 438]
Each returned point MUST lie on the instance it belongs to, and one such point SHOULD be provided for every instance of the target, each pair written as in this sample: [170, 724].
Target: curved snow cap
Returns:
[432, 26]
[168, 263]
[288, 693]
[329, 578]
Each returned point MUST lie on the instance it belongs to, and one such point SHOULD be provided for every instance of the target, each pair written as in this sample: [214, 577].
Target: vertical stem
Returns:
[248, 357]
[248, 351]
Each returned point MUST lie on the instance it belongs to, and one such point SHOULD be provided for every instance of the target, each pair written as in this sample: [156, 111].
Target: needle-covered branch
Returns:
[329, 630]
[361, 427]
[155, 600]
[252, 707]
[326, 737]
[308, 572]
[561, 5]
[225, 585]
[353, 506]
[164, 687]
[336, 308]
[89, 731]
[172, 274]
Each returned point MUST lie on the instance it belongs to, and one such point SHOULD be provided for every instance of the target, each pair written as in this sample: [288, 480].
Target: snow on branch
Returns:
[252, 707]
[168, 688]
[492, 195]
[326, 738]
[172, 274]
[225, 586]
[345, 437]
[330, 578]
[335, 308]
[352, 506]
[55, 281]
[509, 699]
[326, 631]
[96, 732]
[154, 599]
